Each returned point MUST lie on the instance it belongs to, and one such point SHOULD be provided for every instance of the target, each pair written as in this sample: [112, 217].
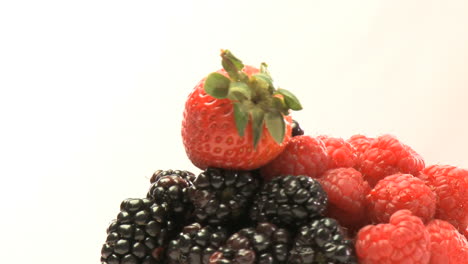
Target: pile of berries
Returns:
[269, 193]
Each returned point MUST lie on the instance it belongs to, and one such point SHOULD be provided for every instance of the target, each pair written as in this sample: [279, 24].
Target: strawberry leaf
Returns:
[232, 65]
[239, 91]
[276, 126]
[257, 125]
[241, 118]
[290, 99]
[217, 85]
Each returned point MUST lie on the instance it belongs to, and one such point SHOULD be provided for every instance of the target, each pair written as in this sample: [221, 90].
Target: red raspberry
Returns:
[450, 184]
[447, 244]
[346, 190]
[360, 143]
[404, 240]
[303, 155]
[386, 155]
[401, 191]
[341, 153]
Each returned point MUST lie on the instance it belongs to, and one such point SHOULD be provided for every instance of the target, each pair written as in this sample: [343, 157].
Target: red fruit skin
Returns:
[397, 192]
[210, 135]
[386, 155]
[404, 240]
[346, 190]
[448, 246]
[342, 154]
[360, 143]
[450, 184]
[303, 155]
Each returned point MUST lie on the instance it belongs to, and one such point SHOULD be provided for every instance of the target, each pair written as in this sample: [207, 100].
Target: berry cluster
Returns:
[269, 193]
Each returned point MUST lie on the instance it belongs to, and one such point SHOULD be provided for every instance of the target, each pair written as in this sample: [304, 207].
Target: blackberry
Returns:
[296, 129]
[290, 201]
[171, 187]
[322, 241]
[139, 233]
[195, 244]
[265, 244]
[222, 196]
[182, 173]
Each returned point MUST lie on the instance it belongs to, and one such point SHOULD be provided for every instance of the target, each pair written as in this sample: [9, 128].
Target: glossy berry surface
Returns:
[139, 234]
[223, 196]
[263, 244]
[296, 129]
[195, 244]
[172, 189]
[289, 201]
[322, 241]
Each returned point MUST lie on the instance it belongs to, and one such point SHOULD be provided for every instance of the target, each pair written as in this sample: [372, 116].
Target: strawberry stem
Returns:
[255, 98]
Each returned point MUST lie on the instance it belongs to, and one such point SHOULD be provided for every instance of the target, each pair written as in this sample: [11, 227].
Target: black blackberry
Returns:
[195, 244]
[182, 173]
[296, 129]
[139, 234]
[290, 201]
[265, 244]
[222, 196]
[171, 187]
[322, 241]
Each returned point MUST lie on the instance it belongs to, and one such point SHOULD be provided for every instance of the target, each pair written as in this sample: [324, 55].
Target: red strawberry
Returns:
[235, 119]
[447, 244]
[403, 240]
[450, 184]
[303, 155]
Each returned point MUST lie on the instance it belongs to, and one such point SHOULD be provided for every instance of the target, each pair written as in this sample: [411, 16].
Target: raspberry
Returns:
[403, 240]
[346, 190]
[386, 155]
[447, 244]
[401, 191]
[360, 143]
[450, 184]
[341, 153]
[303, 155]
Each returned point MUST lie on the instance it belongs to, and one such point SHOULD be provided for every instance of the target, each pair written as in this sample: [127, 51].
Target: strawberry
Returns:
[235, 118]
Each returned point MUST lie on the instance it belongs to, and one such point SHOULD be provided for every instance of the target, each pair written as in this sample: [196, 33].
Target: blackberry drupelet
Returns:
[222, 196]
[322, 241]
[289, 201]
[139, 234]
[182, 173]
[265, 244]
[195, 244]
[296, 129]
[171, 187]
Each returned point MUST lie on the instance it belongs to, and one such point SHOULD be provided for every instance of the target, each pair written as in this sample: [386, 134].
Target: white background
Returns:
[92, 94]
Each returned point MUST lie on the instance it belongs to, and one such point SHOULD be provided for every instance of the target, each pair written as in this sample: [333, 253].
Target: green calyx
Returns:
[255, 98]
